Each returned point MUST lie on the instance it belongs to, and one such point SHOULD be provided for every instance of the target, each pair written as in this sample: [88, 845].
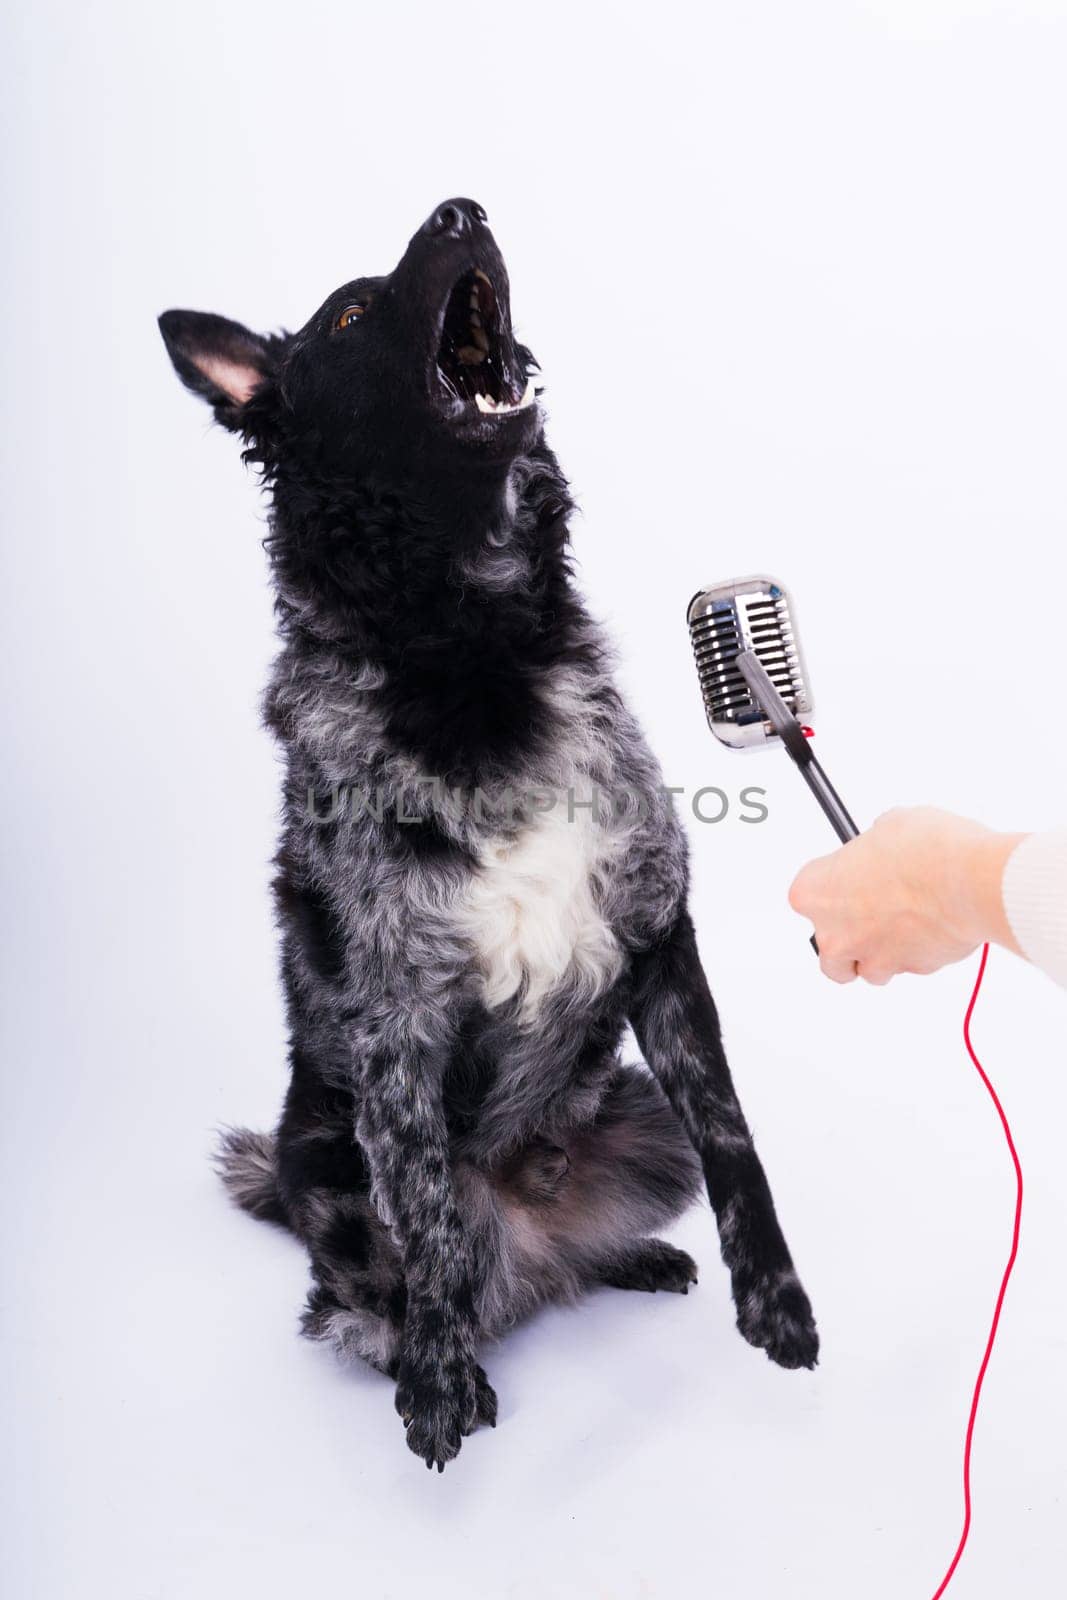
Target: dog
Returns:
[481, 880]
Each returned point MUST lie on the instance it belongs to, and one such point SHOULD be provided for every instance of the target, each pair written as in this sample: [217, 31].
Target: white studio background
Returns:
[796, 277]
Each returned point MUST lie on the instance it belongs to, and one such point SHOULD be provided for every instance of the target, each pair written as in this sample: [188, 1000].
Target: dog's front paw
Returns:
[775, 1315]
[441, 1405]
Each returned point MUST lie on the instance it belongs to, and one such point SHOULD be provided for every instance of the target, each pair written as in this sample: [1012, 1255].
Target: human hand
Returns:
[918, 890]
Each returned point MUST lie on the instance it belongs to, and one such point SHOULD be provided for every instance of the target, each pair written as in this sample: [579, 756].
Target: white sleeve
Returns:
[1035, 900]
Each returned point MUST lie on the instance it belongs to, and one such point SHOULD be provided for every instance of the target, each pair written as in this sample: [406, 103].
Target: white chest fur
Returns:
[531, 910]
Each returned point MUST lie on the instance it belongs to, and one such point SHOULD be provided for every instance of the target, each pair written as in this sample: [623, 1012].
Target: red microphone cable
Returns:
[947, 1579]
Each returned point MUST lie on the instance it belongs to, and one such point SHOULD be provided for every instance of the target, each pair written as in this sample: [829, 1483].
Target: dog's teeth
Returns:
[500, 407]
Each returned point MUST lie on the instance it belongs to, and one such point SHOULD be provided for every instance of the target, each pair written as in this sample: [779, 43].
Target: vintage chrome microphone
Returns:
[754, 681]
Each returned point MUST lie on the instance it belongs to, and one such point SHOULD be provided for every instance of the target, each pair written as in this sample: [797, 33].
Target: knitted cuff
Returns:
[1035, 900]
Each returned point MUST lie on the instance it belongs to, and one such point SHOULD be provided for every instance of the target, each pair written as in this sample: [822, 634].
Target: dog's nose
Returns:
[453, 219]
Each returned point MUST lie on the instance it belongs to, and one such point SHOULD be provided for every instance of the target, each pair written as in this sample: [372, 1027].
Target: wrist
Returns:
[979, 880]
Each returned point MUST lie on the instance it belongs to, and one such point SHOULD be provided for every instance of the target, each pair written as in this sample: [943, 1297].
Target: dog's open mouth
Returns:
[475, 359]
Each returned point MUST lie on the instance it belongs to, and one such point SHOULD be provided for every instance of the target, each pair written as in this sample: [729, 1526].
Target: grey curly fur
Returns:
[460, 1139]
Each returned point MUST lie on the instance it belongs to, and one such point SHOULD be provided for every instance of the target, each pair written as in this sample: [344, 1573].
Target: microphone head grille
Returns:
[747, 614]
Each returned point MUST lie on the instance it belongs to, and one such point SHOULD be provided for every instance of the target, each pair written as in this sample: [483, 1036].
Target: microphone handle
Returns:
[829, 799]
[793, 737]
[832, 804]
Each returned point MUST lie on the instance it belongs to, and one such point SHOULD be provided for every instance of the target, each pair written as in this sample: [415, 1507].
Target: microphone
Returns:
[754, 679]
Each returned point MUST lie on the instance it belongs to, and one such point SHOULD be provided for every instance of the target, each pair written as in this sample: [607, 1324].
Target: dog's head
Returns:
[405, 376]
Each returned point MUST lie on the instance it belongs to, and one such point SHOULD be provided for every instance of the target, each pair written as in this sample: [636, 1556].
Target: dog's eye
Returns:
[350, 314]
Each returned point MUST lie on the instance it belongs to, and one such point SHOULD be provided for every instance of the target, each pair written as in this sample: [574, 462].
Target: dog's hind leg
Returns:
[650, 1264]
[358, 1298]
[631, 1172]
[579, 1213]
[310, 1177]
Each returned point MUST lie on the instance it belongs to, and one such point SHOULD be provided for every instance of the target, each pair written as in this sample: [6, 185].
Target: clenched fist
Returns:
[920, 889]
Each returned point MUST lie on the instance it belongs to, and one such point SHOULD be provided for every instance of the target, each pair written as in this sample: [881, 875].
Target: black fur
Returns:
[459, 1139]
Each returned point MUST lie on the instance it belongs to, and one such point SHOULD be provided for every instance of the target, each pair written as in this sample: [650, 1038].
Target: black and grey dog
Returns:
[480, 880]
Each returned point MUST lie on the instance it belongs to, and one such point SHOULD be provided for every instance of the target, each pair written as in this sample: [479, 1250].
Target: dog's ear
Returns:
[220, 360]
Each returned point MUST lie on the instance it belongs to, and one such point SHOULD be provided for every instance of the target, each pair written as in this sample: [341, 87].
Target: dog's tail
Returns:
[246, 1163]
